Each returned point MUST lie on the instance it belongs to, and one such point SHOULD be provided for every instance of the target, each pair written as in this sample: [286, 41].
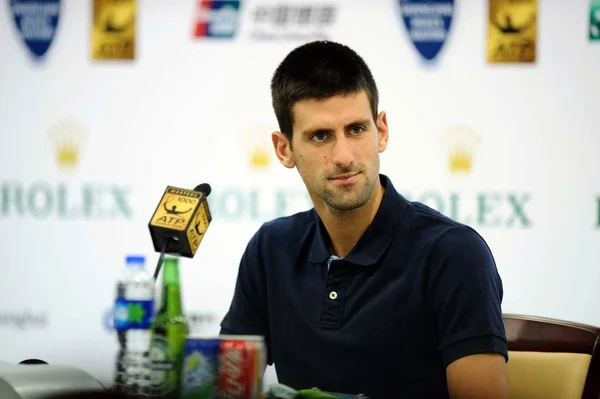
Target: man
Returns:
[366, 292]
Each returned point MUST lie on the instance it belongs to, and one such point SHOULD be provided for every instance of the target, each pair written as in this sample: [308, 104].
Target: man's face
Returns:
[335, 146]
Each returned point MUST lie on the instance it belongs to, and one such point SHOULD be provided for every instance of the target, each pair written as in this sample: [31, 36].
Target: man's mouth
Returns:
[346, 178]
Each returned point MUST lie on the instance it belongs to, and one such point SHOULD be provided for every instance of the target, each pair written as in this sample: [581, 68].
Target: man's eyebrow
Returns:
[327, 130]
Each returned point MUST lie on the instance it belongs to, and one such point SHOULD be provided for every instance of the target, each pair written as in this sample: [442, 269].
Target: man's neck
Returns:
[346, 227]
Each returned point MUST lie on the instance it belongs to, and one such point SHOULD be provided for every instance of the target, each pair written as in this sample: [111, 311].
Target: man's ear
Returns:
[283, 149]
[382, 128]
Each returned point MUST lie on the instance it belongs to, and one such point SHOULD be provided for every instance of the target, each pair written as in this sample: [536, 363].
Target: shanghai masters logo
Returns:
[428, 23]
[36, 21]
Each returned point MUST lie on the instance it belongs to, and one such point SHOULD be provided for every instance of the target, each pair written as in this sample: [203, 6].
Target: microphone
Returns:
[180, 221]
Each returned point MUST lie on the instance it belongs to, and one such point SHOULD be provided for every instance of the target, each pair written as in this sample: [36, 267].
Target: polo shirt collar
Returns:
[375, 240]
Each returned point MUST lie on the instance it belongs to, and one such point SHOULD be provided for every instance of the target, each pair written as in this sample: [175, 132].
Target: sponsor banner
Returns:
[428, 23]
[24, 320]
[299, 22]
[479, 208]
[256, 204]
[594, 32]
[257, 199]
[216, 19]
[36, 22]
[512, 31]
[67, 200]
[113, 31]
[59, 200]
[85, 194]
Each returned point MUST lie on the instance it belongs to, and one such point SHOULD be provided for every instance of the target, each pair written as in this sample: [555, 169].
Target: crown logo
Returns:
[256, 138]
[259, 158]
[68, 136]
[459, 159]
[461, 143]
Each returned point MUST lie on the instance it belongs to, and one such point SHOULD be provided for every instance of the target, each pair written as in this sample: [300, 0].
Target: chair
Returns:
[552, 359]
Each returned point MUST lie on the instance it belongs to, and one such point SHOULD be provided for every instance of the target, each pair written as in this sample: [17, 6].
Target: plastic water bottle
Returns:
[133, 316]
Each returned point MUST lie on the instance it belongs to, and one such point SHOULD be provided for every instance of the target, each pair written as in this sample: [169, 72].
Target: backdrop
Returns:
[104, 104]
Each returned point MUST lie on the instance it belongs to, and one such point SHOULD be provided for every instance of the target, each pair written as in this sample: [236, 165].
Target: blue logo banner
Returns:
[36, 22]
[428, 23]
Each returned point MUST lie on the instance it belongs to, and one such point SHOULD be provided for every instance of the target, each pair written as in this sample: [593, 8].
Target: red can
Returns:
[242, 359]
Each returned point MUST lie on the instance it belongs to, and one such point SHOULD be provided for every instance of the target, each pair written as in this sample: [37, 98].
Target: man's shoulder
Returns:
[439, 231]
[292, 229]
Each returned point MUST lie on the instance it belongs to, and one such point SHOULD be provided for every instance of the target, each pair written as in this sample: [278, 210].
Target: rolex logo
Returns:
[459, 159]
[259, 158]
[256, 138]
[461, 143]
[67, 136]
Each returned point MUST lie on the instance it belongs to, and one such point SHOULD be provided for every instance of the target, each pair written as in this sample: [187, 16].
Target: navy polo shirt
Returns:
[417, 292]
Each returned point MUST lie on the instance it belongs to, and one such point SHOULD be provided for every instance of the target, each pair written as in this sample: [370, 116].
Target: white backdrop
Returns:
[189, 110]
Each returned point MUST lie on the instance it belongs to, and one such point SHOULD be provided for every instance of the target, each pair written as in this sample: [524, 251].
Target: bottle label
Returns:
[133, 314]
[163, 366]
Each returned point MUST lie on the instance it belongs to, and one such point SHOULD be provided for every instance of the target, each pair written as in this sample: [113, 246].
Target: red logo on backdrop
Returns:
[216, 19]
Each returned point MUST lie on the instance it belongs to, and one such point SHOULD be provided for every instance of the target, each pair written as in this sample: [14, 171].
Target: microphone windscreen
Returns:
[203, 188]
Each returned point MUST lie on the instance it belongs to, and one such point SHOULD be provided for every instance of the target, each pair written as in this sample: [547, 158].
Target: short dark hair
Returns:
[319, 70]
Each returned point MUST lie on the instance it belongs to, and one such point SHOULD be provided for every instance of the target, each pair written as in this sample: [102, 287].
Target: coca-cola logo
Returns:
[232, 374]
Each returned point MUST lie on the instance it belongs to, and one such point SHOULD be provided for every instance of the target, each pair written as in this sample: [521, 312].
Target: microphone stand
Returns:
[161, 258]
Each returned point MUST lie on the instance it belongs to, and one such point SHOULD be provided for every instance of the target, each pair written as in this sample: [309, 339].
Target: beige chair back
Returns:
[552, 359]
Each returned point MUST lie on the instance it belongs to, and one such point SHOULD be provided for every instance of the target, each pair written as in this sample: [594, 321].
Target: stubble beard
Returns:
[349, 199]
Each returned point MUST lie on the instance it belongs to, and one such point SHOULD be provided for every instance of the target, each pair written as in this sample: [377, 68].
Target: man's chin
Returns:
[348, 205]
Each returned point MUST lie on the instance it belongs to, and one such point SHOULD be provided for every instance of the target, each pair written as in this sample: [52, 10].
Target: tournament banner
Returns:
[428, 23]
[594, 20]
[113, 32]
[36, 22]
[512, 31]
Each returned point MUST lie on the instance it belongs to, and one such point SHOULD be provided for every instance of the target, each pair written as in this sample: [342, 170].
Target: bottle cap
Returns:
[135, 260]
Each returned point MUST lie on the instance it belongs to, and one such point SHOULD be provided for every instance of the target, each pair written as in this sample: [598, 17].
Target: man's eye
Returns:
[357, 129]
[319, 136]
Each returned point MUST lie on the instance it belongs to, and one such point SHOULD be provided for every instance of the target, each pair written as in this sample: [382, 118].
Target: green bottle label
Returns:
[163, 374]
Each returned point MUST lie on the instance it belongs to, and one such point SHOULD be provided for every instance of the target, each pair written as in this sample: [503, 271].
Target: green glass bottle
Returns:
[169, 332]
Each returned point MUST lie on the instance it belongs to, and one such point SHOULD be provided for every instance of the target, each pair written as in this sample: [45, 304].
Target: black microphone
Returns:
[32, 361]
[179, 222]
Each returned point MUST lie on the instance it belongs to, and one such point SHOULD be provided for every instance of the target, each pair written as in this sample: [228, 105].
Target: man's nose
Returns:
[342, 154]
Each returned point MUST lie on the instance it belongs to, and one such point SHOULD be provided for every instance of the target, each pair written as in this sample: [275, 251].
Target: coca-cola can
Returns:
[242, 359]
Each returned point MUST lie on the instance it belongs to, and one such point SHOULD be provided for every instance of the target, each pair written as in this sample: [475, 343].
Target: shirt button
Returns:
[333, 295]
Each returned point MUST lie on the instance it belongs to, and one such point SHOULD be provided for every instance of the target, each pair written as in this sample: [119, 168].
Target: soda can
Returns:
[200, 379]
[242, 359]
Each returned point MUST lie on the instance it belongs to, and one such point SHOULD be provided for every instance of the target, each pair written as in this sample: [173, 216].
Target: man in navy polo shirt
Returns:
[366, 292]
